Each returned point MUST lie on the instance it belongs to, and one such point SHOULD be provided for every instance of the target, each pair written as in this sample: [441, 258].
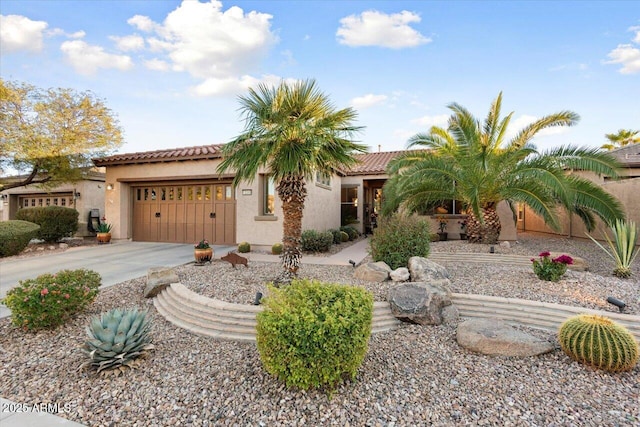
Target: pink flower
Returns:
[544, 254]
[533, 260]
[44, 291]
[563, 259]
[67, 296]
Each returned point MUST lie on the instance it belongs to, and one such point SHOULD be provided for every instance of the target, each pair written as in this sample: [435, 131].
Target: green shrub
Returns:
[551, 269]
[434, 237]
[50, 299]
[599, 342]
[337, 237]
[244, 247]
[117, 339]
[397, 238]
[316, 241]
[15, 236]
[55, 222]
[344, 237]
[276, 249]
[314, 334]
[351, 231]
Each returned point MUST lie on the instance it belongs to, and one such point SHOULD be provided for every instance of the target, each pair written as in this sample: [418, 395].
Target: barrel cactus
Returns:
[244, 247]
[599, 342]
[117, 339]
[276, 249]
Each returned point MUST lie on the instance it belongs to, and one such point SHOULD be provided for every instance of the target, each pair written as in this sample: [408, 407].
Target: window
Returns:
[349, 205]
[323, 179]
[269, 195]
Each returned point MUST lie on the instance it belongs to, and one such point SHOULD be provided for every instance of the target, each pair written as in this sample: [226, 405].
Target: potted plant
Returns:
[103, 231]
[203, 252]
[442, 226]
[463, 229]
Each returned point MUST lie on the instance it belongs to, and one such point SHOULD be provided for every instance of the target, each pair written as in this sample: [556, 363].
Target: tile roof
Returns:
[200, 152]
[629, 155]
[369, 163]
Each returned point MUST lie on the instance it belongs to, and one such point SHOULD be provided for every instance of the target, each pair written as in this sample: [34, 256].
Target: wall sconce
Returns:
[76, 195]
[109, 187]
[355, 202]
[3, 197]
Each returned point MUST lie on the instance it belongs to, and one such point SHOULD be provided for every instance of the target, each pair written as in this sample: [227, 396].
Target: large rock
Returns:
[373, 272]
[579, 264]
[400, 274]
[421, 303]
[496, 338]
[424, 270]
[158, 278]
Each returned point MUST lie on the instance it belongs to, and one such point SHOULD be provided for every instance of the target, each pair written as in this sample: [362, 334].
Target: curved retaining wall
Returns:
[219, 319]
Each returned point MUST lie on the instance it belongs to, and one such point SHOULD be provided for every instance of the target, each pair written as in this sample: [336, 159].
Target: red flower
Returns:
[563, 259]
[44, 291]
[544, 254]
[67, 296]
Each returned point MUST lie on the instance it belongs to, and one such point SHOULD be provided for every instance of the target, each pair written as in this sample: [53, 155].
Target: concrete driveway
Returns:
[116, 262]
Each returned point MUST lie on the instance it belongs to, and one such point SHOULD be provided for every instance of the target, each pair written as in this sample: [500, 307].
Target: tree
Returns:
[473, 163]
[293, 131]
[623, 138]
[52, 135]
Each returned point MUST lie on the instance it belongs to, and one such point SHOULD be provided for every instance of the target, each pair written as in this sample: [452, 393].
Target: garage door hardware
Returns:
[212, 215]
[157, 214]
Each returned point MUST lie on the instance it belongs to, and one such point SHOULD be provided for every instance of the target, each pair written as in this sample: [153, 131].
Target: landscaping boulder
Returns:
[421, 303]
[158, 278]
[400, 274]
[424, 270]
[579, 264]
[505, 245]
[373, 272]
[496, 338]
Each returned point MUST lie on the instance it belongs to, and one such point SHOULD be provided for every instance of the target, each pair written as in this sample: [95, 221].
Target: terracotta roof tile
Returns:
[373, 163]
[172, 154]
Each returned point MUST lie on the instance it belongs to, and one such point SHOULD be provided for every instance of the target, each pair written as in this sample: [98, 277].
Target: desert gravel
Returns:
[414, 376]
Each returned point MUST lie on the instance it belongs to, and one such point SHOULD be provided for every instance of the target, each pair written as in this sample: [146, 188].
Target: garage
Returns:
[184, 213]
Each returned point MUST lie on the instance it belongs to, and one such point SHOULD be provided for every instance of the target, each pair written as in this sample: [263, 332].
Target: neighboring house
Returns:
[176, 195]
[626, 190]
[83, 196]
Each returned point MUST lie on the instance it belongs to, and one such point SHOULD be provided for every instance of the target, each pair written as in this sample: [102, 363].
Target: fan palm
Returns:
[622, 138]
[293, 131]
[473, 162]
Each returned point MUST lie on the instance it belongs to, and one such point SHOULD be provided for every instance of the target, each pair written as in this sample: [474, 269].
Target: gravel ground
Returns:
[412, 376]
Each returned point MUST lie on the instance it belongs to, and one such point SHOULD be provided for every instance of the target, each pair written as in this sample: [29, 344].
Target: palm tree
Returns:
[473, 163]
[292, 130]
[622, 138]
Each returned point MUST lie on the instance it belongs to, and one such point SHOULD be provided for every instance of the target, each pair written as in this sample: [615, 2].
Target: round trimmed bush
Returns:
[15, 236]
[599, 342]
[55, 222]
[351, 231]
[337, 237]
[244, 247]
[314, 334]
[276, 249]
[344, 237]
[316, 241]
[397, 238]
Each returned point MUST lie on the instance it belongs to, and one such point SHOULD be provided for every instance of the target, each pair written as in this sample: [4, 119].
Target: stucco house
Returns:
[626, 190]
[84, 196]
[176, 195]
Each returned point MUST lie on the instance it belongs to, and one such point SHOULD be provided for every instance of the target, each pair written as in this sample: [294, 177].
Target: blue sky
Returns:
[172, 71]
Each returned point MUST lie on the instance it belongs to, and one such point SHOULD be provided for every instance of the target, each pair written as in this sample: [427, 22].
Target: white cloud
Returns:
[222, 48]
[232, 85]
[636, 39]
[373, 28]
[156, 64]
[128, 43]
[19, 33]
[368, 100]
[516, 125]
[439, 120]
[628, 56]
[61, 32]
[289, 60]
[87, 59]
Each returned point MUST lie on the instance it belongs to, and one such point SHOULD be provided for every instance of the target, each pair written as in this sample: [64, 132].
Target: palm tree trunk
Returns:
[292, 192]
[486, 231]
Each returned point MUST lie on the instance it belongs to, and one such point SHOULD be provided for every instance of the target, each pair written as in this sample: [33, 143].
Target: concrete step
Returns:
[480, 258]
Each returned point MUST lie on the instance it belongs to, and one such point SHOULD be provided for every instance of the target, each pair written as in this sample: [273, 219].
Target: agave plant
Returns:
[117, 339]
[624, 250]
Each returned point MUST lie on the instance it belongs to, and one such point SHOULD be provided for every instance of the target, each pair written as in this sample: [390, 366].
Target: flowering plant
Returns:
[551, 269]
[442, 223]
[463, 225]
[203, 244]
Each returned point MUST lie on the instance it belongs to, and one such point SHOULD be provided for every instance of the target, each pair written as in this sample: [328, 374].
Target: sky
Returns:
[172, 71]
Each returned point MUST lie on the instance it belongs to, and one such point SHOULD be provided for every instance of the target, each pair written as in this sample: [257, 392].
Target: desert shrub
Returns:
[15, 236]
[244, 247]
[344, 237]
[551, 269]
[276, 249]
[337, 237]
[434, 237]
[351, 231]
[316, 241]
[55, 222]
[314, 334]
[599, 342]
[397, 238]
[50, 299]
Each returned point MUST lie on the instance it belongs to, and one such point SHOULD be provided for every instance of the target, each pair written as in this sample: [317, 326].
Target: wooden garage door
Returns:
[184, 213]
